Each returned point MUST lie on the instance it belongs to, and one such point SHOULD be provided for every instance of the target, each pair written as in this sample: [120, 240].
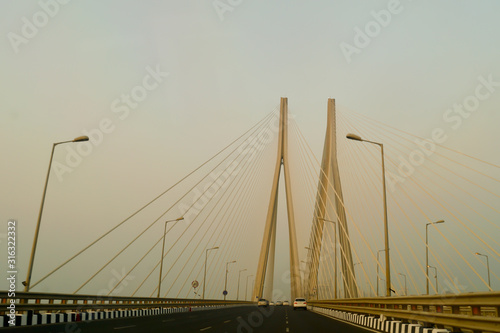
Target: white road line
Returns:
[120, 328]
[287, 329]
[227, 321]
[206, 328]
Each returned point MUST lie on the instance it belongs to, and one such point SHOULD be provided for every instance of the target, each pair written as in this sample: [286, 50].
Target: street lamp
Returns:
[334, 256]
[239, 277]
[378, 252]
[304, 287]
[225, 282]
[406, 291]
[163, 250]
[205, 274]
[427, 252]
[435, 276]
[37, 229]
[386, 227]
[354, 269]
[487, 266]
[246, 287]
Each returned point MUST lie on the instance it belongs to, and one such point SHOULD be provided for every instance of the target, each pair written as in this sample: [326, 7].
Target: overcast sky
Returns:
[161, 86]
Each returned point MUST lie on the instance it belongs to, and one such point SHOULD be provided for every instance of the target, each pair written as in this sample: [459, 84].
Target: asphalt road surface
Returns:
[242, 319]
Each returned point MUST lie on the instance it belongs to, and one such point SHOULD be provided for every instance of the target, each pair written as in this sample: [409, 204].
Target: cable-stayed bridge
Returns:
[384, 229]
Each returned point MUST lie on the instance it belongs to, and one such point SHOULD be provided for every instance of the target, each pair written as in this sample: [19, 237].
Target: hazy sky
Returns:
[161, 86]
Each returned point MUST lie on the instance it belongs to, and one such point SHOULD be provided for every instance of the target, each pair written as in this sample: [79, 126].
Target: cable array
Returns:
[426, 182]
[223, 203]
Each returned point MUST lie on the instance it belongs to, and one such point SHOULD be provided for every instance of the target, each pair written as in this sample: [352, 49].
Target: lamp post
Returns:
[354, 269]
[253, 283]
[427, 252]
[246, 287]
[436, 277]
[205, 274]
[334, 256]
[239, 277]
[163, 251]
[37, 228]
[381, 280]
[309, 249]
[386, 227]
[378, 252]
[225, 282]
[487, 266]
[304, 288]
[406, 291]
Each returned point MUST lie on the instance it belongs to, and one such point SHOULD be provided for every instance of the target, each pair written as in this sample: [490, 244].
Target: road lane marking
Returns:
[227, 321]
[287, 329]
[206, 328]
[123, 327]
[168, 320]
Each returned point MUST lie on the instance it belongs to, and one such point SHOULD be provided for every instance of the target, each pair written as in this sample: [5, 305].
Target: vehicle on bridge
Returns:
[263, 302]
[300, 303]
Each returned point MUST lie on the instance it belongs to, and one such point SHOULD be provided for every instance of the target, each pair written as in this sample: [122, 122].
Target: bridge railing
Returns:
[478, 312]
[49, 302]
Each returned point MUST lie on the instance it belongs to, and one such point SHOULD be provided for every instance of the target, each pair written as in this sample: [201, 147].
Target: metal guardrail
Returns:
[478, 312]
[68, 302]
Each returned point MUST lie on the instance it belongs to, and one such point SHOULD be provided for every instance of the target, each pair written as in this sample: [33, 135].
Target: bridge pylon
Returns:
[329, 190]
[266, 259]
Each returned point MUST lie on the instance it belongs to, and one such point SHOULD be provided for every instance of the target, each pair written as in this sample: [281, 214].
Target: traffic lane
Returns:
[302, 321]
[248, 319]
[244, 319]
[269, 319]
[276, 319]
[197, 321]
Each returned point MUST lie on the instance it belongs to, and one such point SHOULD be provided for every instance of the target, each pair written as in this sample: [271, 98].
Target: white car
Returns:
[300, 303]
[286, 303]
